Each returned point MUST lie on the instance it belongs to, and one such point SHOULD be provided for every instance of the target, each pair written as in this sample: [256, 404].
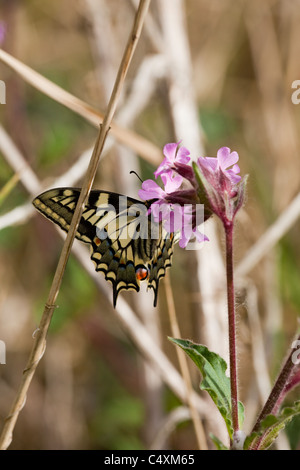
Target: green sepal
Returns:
[239, 200]
[205, 191]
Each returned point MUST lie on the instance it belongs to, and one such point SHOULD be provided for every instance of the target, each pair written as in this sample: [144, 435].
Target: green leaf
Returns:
[219, 444]
[214, 379]
[270, 427]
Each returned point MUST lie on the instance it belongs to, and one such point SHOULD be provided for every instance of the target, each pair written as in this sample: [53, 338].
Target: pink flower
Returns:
[221, 184]
[172, 206]
[188, 232]
[214, 182]
[151, 190]
[212, 167]
[178, 219]
[173, 155]
[2, 31]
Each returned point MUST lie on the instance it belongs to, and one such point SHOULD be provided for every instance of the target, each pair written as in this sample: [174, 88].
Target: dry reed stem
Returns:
[184, 112]
[125, 315]
[268, 240]
[18, 163]
[279, 124]
[141, 146]
[199, 431]
[40, 337]
[259, 358]
[106, 40]
[141, 337]
[176, 416]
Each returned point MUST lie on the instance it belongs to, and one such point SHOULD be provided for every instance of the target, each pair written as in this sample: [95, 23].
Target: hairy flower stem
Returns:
[271, 405]
[228, 226]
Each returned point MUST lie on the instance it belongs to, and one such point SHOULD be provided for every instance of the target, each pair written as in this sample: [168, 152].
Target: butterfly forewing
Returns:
[119, 232]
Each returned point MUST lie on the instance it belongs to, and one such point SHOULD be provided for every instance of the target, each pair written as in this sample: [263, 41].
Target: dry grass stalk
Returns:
[41, 333]
[141, 146]
[200, 434]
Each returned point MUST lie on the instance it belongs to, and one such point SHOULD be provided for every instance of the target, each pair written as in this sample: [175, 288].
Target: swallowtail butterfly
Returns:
[125, 243]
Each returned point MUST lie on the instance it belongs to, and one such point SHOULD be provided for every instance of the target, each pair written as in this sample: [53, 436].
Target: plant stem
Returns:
[277, 390]
[231, 324]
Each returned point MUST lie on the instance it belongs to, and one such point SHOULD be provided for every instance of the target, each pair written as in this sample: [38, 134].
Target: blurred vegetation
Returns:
[90, 390]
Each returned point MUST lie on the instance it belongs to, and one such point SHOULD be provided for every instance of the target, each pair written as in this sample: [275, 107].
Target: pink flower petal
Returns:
[171, 183]
[169, 151]
[225, 158]
[182, 155]
[173, 154]
[150, 190]
[164, 166]
[157, 211]
[236, 169]
[208, 163]
[186, 235]
[234, 178]
[200, 236]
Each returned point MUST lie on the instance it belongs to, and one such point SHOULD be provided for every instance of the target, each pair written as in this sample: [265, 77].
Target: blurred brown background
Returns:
[212, 73]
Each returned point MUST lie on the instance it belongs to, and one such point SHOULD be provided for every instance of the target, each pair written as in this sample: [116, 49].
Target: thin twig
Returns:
[259, 360]
[200, 434]
[275, 107]
[40, 339]
[131, 324]
[141, 337]
[106, 40]
[269, 239]
[141, 146]
[136, 330]
[176, 416]
[185, 115]
[18, 163]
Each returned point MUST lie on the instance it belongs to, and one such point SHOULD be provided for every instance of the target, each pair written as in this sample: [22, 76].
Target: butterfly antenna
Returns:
[132, 171]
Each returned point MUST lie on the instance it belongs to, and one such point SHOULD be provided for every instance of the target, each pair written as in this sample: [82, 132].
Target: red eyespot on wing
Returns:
[97, 241]
[142, 274]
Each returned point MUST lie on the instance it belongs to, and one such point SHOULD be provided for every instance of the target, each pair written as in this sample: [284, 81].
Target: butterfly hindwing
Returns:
[161, 260]
[119, 232]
